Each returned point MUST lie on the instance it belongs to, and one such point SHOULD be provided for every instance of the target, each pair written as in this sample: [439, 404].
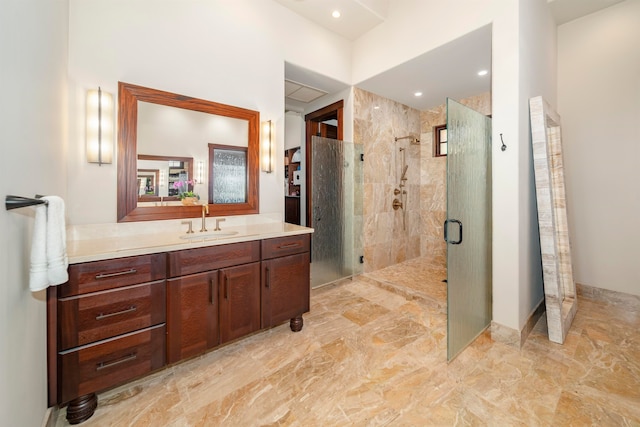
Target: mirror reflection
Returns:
[172, 175]
[148, 180]
[169, 131]
[229, 174]
[164, 147]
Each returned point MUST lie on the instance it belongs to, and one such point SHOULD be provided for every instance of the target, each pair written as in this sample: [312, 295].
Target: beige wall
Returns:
[33, 48]
[599, 105]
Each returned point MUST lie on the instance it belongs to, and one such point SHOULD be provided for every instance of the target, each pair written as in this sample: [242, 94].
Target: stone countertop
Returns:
[95, 242]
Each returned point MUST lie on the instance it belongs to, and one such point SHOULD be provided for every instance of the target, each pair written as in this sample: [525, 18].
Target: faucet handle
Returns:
[190, 223]
[218, 221]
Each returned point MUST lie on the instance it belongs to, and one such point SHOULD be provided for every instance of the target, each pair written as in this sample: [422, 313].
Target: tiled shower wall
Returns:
[433, 189]
[392, 236]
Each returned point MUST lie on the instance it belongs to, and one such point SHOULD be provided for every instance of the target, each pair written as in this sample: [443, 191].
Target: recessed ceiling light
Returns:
[335, 14]
[417, 94]
[483, 72]
[377, 107]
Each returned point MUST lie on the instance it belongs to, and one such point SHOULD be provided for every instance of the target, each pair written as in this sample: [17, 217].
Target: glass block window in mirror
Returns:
[228, 174]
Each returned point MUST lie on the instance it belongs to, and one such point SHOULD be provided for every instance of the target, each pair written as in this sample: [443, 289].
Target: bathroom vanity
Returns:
[136, 303]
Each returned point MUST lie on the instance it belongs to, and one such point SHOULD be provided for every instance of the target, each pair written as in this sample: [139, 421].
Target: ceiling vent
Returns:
[300, 92]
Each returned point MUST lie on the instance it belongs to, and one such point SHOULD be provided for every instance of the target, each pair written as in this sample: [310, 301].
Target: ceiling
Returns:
[447, 71]
[356, 16]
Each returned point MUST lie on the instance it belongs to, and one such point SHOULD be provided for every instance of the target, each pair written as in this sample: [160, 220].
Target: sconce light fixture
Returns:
[162, 177]
[268, 138]
[200, 173]
[99, 127]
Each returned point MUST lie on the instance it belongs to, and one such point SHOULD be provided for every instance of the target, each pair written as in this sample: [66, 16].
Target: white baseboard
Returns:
[50, 417]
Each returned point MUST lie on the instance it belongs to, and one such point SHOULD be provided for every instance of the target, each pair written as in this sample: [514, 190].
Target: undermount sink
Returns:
[209, 235]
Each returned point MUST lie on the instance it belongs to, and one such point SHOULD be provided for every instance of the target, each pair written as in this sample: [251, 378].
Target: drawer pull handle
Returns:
[289, 245]
[126, 310]
[127, 358]
[119, 273]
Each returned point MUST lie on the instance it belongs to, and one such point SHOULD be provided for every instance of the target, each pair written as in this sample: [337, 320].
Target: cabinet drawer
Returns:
[100, 315]
[191, 261]
[98, 366]
[102, 275]
[283, 246]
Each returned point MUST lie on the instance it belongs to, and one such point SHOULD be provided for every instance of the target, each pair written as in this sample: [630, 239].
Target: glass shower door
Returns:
[468, 226]
[336, 207]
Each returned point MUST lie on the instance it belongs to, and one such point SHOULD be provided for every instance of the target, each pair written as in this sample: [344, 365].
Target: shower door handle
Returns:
[446, 223]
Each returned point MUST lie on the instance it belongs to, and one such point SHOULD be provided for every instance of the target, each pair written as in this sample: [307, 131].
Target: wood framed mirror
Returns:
[130, 98]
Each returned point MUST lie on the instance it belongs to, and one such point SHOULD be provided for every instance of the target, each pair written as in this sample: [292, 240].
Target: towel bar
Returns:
[15, 202]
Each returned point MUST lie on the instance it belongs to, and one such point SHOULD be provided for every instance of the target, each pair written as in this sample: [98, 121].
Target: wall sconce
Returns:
[162, 177]
[99, 127]
[267, 146]
[200, 173]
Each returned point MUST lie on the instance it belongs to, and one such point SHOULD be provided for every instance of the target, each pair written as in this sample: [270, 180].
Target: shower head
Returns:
[412, 139]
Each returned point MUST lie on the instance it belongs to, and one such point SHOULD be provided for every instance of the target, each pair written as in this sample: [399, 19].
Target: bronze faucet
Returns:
[205, 211]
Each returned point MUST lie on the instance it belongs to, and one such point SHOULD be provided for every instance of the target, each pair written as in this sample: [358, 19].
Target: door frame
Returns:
[334, 111]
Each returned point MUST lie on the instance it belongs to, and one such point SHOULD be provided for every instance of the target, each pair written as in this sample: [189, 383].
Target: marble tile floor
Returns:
[373, 353]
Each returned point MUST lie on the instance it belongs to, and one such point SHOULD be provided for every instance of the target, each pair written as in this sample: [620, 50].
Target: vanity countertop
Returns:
[96, 242]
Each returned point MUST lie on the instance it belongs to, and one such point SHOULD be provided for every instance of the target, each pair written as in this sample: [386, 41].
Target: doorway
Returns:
[326, 122]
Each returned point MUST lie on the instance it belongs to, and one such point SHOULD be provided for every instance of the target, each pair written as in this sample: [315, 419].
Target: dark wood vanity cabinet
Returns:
[217, 304]
[239, 301]
[192, 323]
[285, 280]
[119, 319]
[106, 326]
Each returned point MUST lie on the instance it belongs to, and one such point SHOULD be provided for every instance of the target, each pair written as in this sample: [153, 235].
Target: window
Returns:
[440, 141]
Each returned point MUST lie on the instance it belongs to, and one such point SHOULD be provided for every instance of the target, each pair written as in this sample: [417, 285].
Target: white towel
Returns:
[38, 279]
[57, 261]
[49, 260]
